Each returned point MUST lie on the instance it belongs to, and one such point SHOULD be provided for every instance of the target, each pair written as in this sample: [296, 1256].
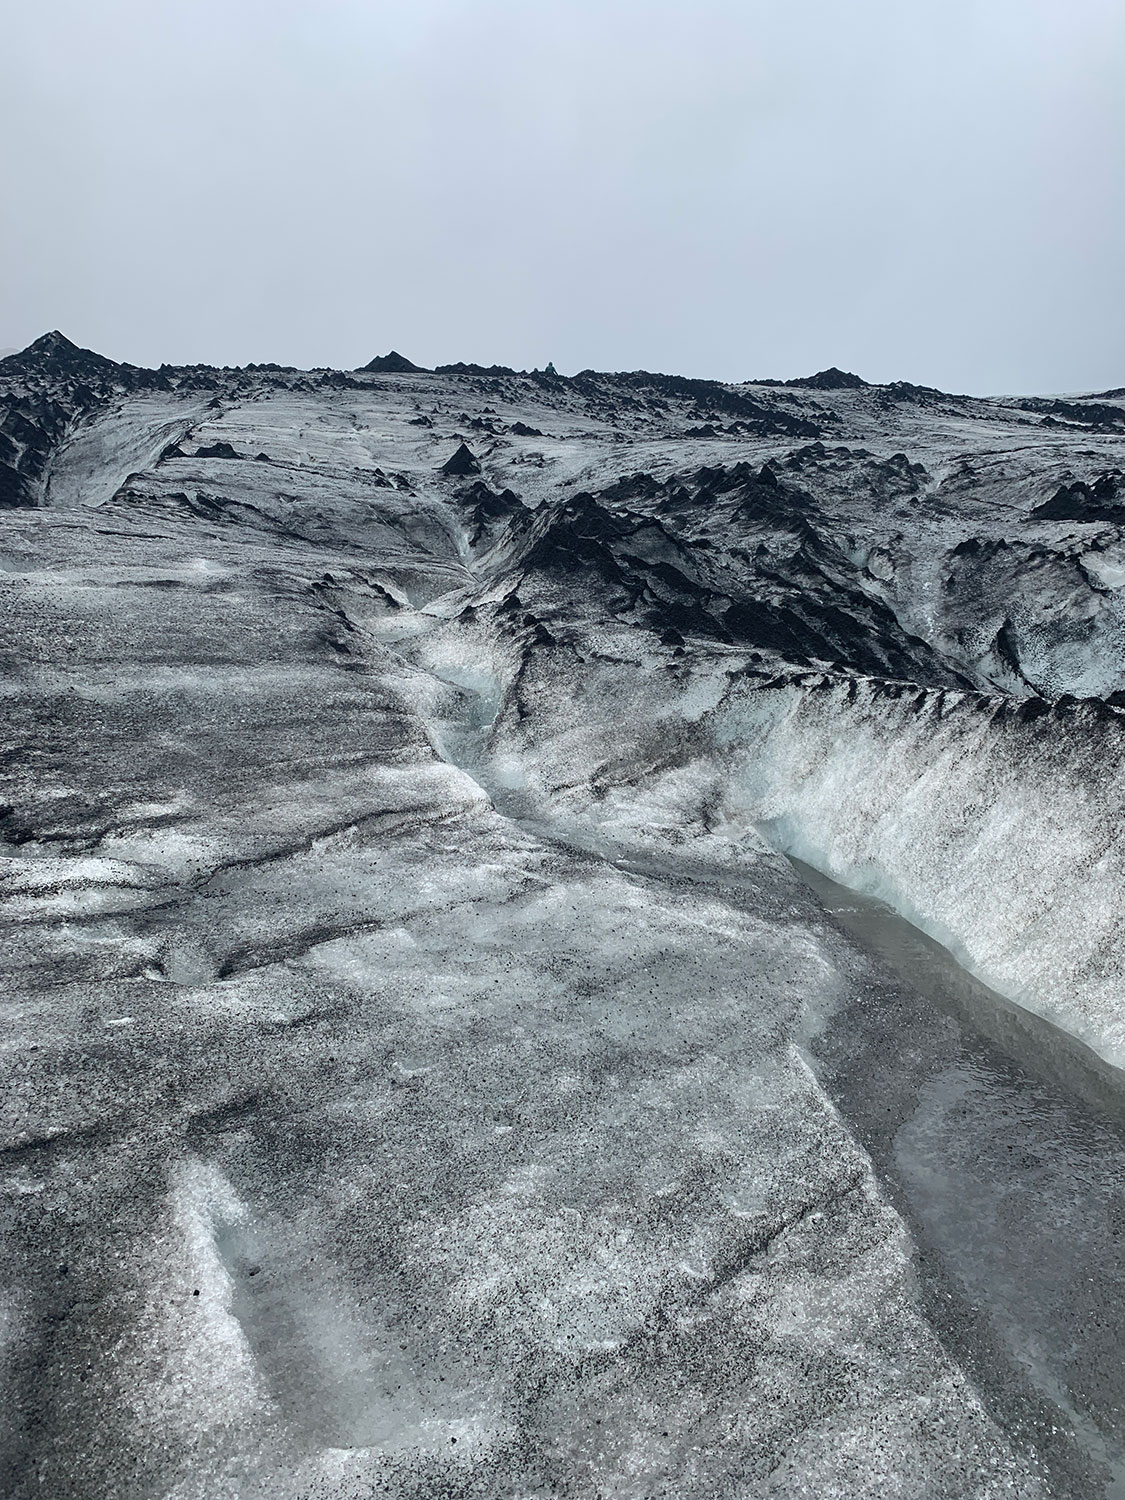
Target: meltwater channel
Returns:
[1002, 1140]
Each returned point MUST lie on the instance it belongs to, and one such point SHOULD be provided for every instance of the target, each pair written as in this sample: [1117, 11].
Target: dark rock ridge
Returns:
[1096, 415]
[461, 368]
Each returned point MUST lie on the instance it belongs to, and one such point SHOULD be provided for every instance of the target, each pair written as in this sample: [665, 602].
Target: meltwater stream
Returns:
[1002, 1140]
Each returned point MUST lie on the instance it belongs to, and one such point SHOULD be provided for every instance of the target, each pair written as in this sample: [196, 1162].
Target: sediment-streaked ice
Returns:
[424, 1073]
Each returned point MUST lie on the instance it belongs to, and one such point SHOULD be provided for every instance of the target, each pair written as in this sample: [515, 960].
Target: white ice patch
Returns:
[97, 457]
[186, 1365]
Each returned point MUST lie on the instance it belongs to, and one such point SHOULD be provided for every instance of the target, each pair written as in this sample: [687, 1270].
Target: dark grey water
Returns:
[1003, 1141]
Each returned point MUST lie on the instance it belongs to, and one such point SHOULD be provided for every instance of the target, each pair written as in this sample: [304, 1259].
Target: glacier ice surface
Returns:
[425, 1073]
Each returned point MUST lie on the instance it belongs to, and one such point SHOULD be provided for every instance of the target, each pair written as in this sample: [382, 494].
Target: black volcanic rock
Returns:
[54, 354]
[639, 486]
[831, 379]
[1098, 416]
[339, 380]
[31, 427]
[464, 461]
[712, 395]
[461, 368]
[393, 363]
[1101, 501]
[489, 508]
[217, 450]
[489, 503]
[906, 390]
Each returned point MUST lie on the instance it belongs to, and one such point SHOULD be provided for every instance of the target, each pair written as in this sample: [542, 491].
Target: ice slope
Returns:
[423, 1073]
[993, 825]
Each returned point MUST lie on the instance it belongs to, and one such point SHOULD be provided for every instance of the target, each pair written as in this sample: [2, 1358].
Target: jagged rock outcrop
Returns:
[1103, 500]
[463, 461]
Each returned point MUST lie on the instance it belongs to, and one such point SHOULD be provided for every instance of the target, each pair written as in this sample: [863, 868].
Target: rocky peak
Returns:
[54, 353]
[832, 379]
[393, 363]
[464, 461]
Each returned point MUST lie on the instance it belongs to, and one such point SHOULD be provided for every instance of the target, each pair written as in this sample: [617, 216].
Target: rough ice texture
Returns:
[411, 1064]
[998, 835]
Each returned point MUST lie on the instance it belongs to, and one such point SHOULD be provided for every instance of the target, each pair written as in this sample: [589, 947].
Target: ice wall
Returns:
[994, 828]
[992, 825]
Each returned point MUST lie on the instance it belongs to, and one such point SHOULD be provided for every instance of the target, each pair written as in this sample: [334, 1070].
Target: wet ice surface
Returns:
[1005, 1139]
[419, 1076]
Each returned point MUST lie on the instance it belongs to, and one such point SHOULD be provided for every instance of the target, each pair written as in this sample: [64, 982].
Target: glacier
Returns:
[563, 935]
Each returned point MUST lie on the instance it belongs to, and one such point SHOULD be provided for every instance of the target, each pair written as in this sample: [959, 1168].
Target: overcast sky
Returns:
[931, 190]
